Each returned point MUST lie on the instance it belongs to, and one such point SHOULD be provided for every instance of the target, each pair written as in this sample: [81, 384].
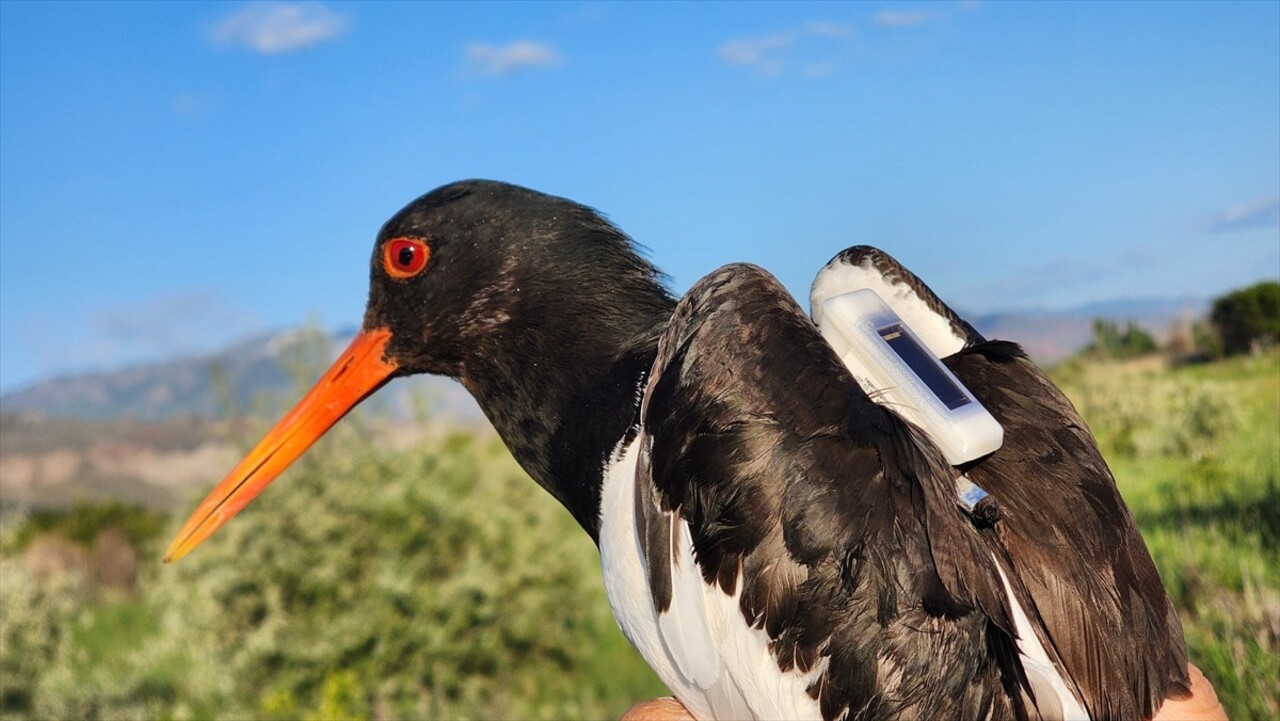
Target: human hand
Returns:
[666, 708]
[1201, 705]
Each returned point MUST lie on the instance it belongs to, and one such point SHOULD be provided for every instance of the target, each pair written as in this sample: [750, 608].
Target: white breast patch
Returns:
[701, 647]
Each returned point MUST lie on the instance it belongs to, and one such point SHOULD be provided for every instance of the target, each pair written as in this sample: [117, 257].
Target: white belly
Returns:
[701, 647]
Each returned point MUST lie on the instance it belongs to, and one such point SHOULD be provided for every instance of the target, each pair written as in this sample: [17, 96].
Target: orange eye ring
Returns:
[405, 257]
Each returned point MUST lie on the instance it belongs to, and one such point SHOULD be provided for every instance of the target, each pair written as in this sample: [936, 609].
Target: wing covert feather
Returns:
[833, 523]
[1075, 548]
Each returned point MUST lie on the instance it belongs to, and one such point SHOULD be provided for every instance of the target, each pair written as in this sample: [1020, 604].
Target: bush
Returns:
[1197, 459]
[438, 582]
[113, 561]
[1111, 342]
[85, 521]
[35, 626]
[368, 583]
[1248, 317]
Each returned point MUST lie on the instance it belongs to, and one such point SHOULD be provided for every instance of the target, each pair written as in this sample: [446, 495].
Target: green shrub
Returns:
[1111, 342]
[1247, 317]
[1196, 454]
[35, 626]
[438, 582]
[85, 521]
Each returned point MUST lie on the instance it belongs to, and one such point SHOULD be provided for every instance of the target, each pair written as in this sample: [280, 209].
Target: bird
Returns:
[775, 541]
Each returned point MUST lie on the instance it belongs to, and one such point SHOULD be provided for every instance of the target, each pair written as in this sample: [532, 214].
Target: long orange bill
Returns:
[358, 372]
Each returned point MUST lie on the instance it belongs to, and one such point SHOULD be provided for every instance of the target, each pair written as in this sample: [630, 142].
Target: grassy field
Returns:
[1196, 453]
[440, 582]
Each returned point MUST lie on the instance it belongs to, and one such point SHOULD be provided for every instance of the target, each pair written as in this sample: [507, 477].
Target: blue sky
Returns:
[176, 176]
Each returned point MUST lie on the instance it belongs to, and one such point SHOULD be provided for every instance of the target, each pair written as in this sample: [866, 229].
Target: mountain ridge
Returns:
[266, 372]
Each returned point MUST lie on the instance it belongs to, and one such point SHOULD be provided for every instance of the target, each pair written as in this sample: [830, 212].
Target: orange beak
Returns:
[358, 372]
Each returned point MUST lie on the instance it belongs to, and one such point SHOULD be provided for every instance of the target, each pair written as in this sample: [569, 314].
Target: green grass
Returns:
[1196, 454]
[110, 631]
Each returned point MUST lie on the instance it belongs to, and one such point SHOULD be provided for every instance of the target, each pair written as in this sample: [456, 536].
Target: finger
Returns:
[658, 709]
[1201, 705]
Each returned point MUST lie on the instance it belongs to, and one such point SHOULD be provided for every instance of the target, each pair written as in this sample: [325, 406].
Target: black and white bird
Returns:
[775, 543]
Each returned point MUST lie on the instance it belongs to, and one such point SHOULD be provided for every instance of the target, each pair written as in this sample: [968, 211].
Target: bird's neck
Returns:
[562, 391]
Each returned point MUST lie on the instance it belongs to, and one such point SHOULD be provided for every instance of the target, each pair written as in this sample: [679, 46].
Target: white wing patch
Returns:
[1054, 699]
[701, 646]
[684, 626]
[838, 277]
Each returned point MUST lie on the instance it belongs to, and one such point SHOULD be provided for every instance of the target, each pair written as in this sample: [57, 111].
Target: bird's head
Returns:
[462, 281]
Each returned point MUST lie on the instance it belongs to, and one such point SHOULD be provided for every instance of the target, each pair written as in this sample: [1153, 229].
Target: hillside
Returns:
[149, 434]
[260, 374]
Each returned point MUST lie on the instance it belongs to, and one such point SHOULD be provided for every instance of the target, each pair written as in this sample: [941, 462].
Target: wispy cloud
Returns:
[169, 324]
[760, 52]
[904, 18]
[766, 53]
[504, 59]
[279, 27]
[163, 326]
[1070, 277]
[818, 70]
[824, 29]
[190, 105]
[1263, 213]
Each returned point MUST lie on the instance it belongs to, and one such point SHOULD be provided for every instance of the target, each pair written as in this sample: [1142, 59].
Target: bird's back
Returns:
[802, 547]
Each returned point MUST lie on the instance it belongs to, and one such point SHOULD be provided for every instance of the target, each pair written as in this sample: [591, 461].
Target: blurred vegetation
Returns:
[1111, 342]
[35, 628]
[84, 522]
[439, 582]
[1248, 318]
[1196, 453]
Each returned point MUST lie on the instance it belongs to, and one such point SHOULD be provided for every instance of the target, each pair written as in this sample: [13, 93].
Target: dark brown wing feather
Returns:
[1072, 542]
[837, 519]
[1081, 569]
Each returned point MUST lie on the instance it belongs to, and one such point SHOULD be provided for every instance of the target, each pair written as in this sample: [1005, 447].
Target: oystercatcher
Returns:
[774, 542]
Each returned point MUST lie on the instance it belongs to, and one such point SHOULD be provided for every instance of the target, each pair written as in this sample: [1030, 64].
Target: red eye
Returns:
[405, 257]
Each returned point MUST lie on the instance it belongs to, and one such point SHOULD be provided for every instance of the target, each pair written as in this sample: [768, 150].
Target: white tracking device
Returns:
[898, 370]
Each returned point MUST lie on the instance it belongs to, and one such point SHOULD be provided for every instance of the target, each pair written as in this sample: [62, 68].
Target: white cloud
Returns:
[160, 327]
[825, 29]
[903, 18]
[1263, 213]
[766, 53]
[818, 70]
[190, 105]
[754, 51]
[170, 324]
[503, 59]
[279, 27]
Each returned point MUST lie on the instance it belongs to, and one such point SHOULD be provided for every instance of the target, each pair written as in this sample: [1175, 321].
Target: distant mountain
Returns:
[1050, 336]
[153, 434]
[156, 434]
[254, 375]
